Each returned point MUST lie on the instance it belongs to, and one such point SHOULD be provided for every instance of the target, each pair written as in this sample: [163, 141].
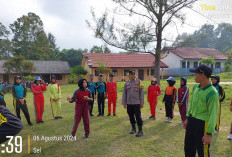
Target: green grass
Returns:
[109, 136]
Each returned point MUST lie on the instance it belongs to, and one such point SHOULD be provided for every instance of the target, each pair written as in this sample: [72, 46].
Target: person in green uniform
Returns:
[201, 115]
[55, 96]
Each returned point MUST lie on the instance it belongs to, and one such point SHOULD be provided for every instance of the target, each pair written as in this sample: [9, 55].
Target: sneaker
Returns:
[91, 115]
[229, 137]
[170, 120]
[216, 132]
[60, 117]
[167, 119]
[133, 131]
[86, 137]
[152, 118]
[37, 122]
[41, 121]
[181, 122]
[56, 118]
[114, 114]
[30, 124]
[108, 115]
[103, 115]
[139, 134]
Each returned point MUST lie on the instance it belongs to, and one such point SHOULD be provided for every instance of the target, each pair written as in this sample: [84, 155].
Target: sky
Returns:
[66, 19]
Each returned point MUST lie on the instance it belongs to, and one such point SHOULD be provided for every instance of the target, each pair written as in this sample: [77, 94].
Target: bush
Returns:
[228, 68]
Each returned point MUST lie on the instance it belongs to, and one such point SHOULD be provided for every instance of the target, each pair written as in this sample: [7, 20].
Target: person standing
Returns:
[19, 95]
[37, 89]
[182, 99]
[55, 96]
[152, 96]
[133, 101]
[81, 96]
[202, 114]
[101, 90]
[170, 99]
[2, 93]
[92, 87]
[111, 94]
[215, 81]
[229, 137]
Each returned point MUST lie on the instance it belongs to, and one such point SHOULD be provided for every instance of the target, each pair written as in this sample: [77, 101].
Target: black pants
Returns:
[101, 103]
[193, 138]
[2, 102]
[168, 106]
[134, 111]
[18, 105]
[91, 103]
[10, 125]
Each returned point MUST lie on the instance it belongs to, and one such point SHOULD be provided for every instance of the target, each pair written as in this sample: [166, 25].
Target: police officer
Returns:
[133, 100]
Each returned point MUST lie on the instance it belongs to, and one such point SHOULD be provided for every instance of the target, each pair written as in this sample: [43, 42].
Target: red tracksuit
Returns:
[152, 96]
[38, 90]
[183, 94]
[81, 110]
[231, 122]
[111, 92]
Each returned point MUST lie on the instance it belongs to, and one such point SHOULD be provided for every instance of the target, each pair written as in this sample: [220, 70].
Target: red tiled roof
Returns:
[117, 60]
[197, 53]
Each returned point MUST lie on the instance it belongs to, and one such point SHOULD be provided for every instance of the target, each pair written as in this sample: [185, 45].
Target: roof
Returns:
[196, 53]
[119, 60]
[45, 67]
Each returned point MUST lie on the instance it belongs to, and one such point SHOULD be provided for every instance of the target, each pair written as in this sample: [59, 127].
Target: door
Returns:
[46, 78]
[141, 74]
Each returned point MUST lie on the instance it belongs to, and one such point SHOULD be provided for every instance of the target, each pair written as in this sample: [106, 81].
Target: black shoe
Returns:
[139, 134]
[152, 118]
[60, 117]
[114, 114]
[102, 115]
[86, 137]
[41, 121]
[133, 131]
[30, 124]
[99, 115]
[109, 115]
[56, 118]
[91, 115]
[37, 122]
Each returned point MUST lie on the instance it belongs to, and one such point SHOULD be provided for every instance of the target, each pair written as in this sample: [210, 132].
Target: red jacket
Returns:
[231, 103]
[111, 87]
[38, 89]
[153, 91]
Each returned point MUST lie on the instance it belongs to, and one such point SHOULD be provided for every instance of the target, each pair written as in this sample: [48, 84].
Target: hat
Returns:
[217, 78]
[184, 79]
[171, 79]
[131, 72]
[37, 78]
[154, 79]
[17, 77]
[53, 77]
[100, 74]
[111, 75]
[202, 69]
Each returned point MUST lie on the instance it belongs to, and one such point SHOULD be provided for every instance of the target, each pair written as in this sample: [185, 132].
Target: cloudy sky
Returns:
[66, 19]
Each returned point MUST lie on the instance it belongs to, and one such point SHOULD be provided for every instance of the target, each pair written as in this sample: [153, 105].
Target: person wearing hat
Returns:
[10, 125]
[229, 137]
[2, 93]
[37, 89]
[92, 87]
[182, 98]
[215, 81]
[111, 94]
[133, 101]
[202, 114]
[170, 99]
[19, 95]
[55, 96]
[101, 90]
[152, 96]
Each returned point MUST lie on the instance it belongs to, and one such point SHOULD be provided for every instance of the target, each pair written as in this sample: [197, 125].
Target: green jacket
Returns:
[204, 106]
[54, 90]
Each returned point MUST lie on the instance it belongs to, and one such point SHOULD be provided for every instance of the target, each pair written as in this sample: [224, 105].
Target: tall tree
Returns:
[5, 43]
[100, 49]
[143, 31]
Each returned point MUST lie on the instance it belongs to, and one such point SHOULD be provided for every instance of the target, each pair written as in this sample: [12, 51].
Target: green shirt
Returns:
[204, 106]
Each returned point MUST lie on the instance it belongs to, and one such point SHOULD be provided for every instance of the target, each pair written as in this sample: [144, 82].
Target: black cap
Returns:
[217, 78]
[132, 72]
[100, 74]
[111, 75]
[202, 69]
[17, 77]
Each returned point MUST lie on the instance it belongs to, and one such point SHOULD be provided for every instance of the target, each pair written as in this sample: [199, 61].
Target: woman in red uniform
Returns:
[111, 94]
[37, 89]
[152, 96]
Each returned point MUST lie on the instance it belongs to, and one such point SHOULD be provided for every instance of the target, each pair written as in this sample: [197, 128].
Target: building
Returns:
[42, 68]
[181, 59]
[121, 64]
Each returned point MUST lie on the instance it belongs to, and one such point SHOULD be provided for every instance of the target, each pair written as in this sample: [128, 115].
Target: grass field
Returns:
[109, 136]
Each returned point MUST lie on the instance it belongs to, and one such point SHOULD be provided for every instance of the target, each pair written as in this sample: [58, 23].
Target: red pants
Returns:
[39, 106]
[183, 110]
[153, 103]
[112, 98]
[81, 110]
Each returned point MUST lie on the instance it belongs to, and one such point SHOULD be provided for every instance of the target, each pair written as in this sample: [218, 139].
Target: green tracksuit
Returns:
[55, 92]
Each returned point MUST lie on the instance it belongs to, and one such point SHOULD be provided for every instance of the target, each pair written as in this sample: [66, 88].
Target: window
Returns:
[218, 65]
[96, 72]
[126, 72]
[195, 64]
[188, 64]
[152, 71]
[5, 78]
[148, 72]
[115, 72]
[58, 76]
[212, 66]
[183, 64]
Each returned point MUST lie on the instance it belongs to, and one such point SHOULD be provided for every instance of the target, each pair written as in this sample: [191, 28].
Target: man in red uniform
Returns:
[37, 89]
[111, 94]
[152, 96]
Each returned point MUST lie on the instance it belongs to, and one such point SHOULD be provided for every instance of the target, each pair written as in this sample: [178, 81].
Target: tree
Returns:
[5, 43]
[147, 19]
[103, 67]
[18, 65]
[100, 49]
[228, 63]
[207, 60]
